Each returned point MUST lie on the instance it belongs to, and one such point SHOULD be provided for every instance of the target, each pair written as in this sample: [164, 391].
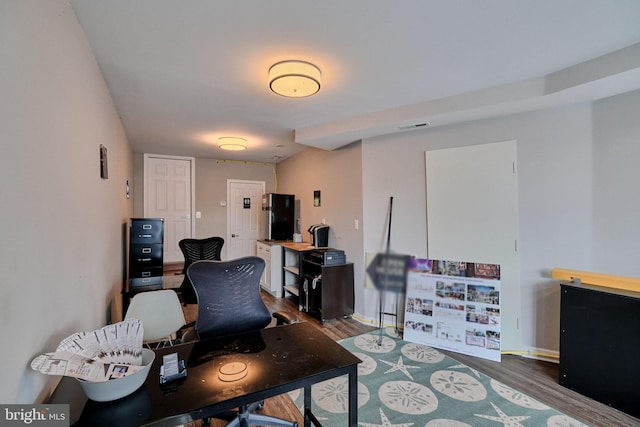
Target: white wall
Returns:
[62, 225]
[578, 196]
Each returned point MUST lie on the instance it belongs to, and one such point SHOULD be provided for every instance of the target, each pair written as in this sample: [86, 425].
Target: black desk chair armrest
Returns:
[284, 317]
[187, 333]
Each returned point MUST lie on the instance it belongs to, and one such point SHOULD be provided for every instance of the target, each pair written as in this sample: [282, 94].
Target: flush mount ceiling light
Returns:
[294, 79]
[232, 143]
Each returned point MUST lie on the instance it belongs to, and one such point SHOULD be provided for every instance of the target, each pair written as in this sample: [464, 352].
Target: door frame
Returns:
[192, 170]
[230, 181]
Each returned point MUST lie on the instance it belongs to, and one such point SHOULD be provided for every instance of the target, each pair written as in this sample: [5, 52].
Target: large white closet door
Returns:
[169, 194]
[472, 216]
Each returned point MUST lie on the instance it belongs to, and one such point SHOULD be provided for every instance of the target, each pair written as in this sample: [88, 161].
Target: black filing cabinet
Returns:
[145, 249]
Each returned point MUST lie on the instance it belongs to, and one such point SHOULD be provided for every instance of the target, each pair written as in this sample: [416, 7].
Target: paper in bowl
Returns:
[117, 388]
[108, 354]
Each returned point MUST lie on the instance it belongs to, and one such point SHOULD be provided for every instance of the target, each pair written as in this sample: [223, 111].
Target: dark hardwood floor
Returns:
[536, 378]
[539, 379]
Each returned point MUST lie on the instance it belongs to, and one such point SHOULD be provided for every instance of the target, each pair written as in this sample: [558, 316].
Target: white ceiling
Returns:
[184, 72]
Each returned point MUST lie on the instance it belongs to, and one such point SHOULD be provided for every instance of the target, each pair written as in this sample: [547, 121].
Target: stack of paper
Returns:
[113, 351]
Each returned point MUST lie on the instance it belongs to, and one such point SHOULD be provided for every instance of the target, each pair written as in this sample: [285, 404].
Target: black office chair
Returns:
[229, 302]
[197, 250]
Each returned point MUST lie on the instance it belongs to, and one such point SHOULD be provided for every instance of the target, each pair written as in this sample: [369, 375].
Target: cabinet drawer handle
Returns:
[146, 250]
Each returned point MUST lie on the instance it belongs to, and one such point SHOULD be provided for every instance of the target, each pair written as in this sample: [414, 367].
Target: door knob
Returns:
[235, 235]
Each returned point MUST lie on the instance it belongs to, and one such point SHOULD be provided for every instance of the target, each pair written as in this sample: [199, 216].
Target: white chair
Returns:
[160, 313]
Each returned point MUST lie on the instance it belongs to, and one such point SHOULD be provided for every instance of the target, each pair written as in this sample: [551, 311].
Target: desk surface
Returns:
[279, 360]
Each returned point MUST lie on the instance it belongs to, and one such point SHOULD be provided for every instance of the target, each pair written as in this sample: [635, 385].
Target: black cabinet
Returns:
[600, 344]
[327, 290]
[145, 248]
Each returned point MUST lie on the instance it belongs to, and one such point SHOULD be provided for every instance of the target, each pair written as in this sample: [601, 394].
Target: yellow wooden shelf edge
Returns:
[598, 279]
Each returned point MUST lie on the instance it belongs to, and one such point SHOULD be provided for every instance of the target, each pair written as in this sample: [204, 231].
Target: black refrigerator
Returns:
[277, 216]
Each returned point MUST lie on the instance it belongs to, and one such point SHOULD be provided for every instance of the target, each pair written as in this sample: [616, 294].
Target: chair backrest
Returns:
[200, 249]
[159, 311]
[228, 294]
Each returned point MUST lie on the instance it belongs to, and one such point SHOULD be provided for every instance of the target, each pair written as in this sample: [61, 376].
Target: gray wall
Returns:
[616, 202]
[62, 225]
[338, 176]
[578, 197]
[211, 188]
[211, 177]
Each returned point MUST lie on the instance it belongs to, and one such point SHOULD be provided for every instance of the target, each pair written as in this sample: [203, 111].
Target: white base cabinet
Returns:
[271, 280]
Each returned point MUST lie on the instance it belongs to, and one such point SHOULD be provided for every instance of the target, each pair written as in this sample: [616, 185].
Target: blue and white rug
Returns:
[403, 384]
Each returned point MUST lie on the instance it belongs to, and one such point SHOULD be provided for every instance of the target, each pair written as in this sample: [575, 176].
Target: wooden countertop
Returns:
[302, 246]
[598, 279]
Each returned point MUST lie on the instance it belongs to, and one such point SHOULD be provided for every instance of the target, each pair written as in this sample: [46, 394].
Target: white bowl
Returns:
[105, 391]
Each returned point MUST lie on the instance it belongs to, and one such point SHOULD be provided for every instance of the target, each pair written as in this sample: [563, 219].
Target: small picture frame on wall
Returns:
[316, 198]
[104, 170]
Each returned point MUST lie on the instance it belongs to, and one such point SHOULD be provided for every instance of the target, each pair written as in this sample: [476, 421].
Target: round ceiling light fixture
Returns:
[232, 143]
[294, 79]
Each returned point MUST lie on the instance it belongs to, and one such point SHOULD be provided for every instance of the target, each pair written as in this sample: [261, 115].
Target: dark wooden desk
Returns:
[279, 360]
[599, 344]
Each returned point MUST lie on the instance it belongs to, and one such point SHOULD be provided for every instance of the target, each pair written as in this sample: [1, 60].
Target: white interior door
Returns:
[472, 216]
[168, 194]
[244, 205]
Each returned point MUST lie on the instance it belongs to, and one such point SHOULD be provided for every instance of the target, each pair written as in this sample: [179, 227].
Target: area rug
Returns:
[403, 384]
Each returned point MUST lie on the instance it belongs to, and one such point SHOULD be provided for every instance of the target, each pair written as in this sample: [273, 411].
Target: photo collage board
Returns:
[454, 306]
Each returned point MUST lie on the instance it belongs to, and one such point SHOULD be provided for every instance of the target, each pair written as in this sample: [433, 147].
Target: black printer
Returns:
[327, 256]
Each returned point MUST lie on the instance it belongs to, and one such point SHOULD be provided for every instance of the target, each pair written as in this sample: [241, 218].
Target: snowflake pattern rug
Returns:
[403, 384]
